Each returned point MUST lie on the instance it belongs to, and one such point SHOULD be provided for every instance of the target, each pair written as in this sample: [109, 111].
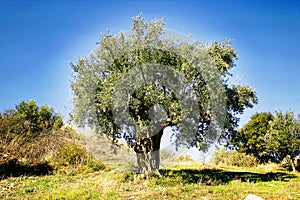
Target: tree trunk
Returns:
[293, 164]
[147, 152]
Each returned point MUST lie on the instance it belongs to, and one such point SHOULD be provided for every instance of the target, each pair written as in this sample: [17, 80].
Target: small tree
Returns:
[137, 84]
[283, 137]
[251, 138]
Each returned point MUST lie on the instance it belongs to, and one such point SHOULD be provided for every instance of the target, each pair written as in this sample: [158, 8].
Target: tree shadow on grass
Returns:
[218, 177]
[13, 168]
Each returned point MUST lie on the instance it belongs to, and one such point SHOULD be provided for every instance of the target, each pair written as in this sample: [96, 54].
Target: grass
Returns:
[178, 181]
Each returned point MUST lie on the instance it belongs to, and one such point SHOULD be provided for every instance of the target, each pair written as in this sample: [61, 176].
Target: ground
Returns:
[177, 181]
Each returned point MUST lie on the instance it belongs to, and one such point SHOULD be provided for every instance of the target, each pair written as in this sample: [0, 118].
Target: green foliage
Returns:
[202, 107]
[271, 138]
[95, 165]
[251, 138]
[283, 137]
[74, 154]
[233, 158]
[26, 130]
[95, 78]
[27, 121]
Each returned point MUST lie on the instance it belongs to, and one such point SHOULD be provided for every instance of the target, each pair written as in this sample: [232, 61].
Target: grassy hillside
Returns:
[38, 161]
[178, 181]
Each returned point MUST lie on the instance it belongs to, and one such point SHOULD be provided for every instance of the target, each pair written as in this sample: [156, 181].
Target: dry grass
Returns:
[177, 182]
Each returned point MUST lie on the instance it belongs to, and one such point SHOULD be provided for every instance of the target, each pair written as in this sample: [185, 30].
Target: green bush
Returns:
[96, 165]
[233, 158]
[78, 158]
[27, 123]
[74, 154]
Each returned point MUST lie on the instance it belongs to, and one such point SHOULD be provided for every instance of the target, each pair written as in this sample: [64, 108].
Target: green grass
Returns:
[178, 181]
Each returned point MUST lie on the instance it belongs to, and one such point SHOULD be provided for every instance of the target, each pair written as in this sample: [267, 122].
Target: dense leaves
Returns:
[283, 138]
[270, 138]
[251, 138]
[204, 71]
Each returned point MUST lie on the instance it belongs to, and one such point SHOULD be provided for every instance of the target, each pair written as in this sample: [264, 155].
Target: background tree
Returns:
[27, 121]
[283, 137]
[96, 78]
[251, 138]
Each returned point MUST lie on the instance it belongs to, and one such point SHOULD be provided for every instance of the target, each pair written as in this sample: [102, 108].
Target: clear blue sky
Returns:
[39, 38]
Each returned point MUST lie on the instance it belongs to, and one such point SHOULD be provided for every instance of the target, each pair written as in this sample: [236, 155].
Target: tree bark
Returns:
[293, 164]
[147, 152]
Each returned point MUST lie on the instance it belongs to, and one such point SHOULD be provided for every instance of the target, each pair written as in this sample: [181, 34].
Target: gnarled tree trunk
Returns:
[147, 152]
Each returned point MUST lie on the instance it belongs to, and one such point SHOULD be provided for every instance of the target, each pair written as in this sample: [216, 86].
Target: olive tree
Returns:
[138, 83]
[251, 138]
[283, 137]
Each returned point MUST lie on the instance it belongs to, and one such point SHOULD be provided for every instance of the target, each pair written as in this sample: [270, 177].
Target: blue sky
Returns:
[38, 39]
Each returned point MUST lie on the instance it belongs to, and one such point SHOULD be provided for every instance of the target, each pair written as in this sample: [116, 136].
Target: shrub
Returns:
[22, 128]
[36, 136]
[185, 158]
[75, 159]
[96, 165]
[74, 154]
[233, 158]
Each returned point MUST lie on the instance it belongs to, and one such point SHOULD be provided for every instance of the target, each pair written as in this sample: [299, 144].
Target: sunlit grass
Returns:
[174, 184]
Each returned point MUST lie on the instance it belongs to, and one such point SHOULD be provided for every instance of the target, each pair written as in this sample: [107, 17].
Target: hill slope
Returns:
[188, 181]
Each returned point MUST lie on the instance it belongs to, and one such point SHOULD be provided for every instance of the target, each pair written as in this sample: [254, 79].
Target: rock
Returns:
[253, 197]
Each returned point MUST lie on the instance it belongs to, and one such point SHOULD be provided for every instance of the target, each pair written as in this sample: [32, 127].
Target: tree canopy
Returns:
[251, 138]
[138, 83]
[283, 137]
[270, 137]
